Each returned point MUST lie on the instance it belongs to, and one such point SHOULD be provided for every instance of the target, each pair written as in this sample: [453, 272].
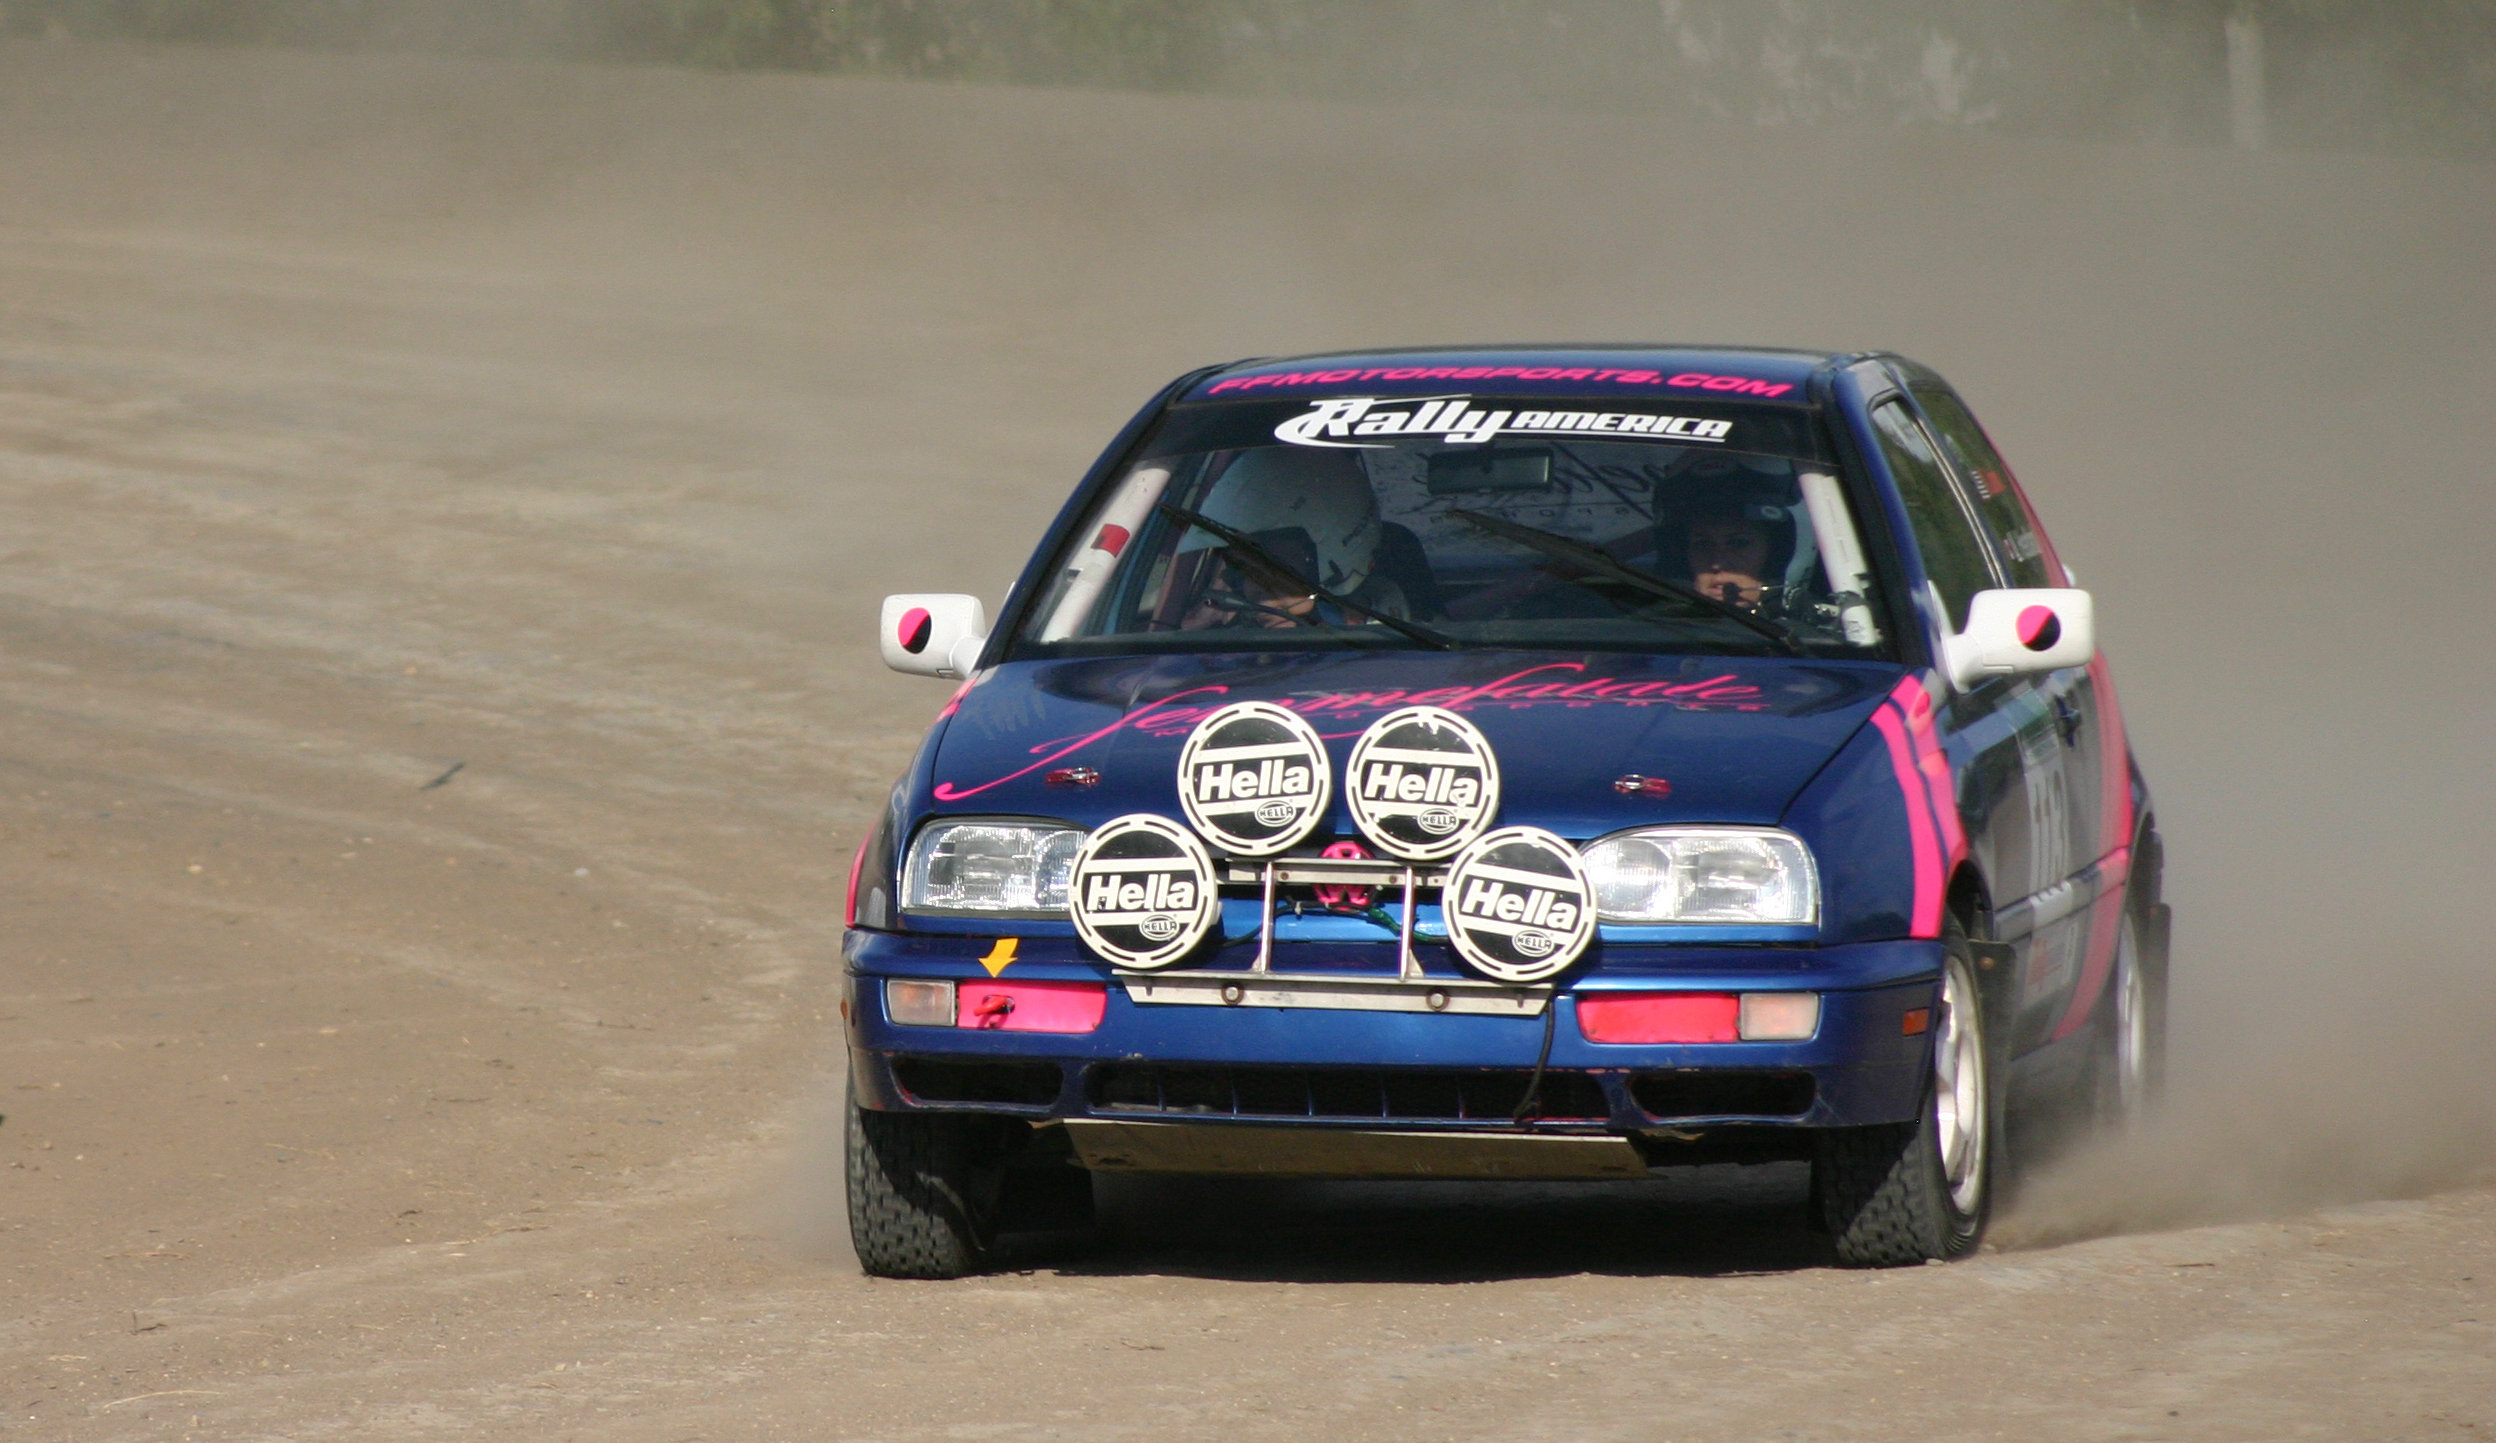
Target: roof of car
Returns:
[1751, 373]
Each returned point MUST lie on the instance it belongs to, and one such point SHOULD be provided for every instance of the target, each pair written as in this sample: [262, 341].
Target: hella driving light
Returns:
[918, 1004]
[990, 866]
[1750, 876]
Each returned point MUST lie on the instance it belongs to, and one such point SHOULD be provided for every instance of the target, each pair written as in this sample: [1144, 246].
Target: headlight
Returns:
[992, 866]
[1748, 875]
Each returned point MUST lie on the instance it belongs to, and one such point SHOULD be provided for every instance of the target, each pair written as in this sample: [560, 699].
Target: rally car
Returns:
[1535, 763]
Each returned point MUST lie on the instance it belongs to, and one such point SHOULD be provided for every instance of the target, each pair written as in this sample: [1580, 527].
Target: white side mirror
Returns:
[933, 633]
[2019, 632]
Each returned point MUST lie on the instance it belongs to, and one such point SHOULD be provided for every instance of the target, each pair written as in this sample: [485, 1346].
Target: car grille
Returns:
[1365, 1093]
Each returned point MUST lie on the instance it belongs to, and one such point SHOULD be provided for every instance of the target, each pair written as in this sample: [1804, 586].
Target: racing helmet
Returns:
[1322, 495]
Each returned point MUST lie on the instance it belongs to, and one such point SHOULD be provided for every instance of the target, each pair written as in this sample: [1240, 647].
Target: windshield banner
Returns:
[1344, 421]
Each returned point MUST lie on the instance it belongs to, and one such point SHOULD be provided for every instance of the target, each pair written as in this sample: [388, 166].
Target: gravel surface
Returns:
[445, 507]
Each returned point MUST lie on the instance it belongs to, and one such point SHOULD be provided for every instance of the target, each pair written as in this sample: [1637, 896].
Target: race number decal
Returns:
[1253, 778]
[1518, 906]
[1422, 783]
[1143, 891]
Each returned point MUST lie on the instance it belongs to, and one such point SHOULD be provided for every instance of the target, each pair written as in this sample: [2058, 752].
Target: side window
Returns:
[1954, 554]
[1989, 482]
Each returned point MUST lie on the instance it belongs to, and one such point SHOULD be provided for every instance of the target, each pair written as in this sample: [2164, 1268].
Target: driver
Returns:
[1734, 539]
[1313, 512]
[1728, 556]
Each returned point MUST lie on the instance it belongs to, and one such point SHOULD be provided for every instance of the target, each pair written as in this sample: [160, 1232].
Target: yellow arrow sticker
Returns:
[1000, 956]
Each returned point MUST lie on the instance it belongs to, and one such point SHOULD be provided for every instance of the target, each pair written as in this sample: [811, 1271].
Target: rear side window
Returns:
[1988, 482]
[1954, 554]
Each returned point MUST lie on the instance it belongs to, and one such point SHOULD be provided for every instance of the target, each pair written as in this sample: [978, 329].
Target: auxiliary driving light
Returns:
[918, 1004]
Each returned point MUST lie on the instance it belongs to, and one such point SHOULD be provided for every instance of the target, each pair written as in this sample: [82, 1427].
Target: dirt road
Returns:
[445, 503]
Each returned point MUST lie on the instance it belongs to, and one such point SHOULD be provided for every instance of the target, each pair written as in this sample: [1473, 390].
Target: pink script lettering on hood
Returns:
[1175, 714]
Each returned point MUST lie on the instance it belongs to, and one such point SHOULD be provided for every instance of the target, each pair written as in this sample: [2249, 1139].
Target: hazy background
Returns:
[2402, 76]
[878, 325]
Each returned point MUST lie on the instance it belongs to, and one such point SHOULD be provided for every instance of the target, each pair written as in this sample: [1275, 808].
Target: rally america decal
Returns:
[1253, 778]
[1422, 783]
[1143, 891]
[1518, 905]
[1345, 421]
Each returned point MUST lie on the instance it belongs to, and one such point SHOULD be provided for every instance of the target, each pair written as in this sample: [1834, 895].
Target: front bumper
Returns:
[1409, 1072]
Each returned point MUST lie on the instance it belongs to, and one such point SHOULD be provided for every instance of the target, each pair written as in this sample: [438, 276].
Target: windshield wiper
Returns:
[1252, 552]
[1600, 562]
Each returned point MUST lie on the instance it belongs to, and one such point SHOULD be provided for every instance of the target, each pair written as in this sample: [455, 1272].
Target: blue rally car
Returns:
[1511, 763]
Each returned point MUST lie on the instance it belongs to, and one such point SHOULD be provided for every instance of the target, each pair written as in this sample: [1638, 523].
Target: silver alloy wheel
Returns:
[2131, 1058]
[1959, 1100]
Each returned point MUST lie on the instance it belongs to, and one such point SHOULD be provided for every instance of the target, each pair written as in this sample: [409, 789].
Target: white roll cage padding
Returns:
[1842, 551]
[1125, 513]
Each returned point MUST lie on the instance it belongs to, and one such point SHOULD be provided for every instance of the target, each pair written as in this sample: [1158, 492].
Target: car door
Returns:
[2062, 756]
[2096, 755]
[2018, 789]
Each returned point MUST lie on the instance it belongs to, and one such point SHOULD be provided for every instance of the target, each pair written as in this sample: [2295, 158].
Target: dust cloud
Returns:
[886, 325]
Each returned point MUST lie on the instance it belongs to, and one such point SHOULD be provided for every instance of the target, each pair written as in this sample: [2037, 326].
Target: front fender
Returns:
[1882, 821]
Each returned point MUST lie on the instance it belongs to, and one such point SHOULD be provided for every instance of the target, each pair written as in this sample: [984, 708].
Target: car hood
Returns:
[1729, 739]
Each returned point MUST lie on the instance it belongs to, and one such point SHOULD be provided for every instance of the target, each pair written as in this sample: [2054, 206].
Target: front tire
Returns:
[923, 1191]
[1921, 1191]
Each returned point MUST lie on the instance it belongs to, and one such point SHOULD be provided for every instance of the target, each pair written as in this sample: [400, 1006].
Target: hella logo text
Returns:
[1153, 892]
[1451, 787]
[1493, 900]
[1271, 777]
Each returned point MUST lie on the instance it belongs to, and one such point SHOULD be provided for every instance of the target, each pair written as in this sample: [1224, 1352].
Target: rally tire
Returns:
[1865, 1202]
[2154, 923]
[2157, 933]
[2130, 1075]
[923, 1191]
[2130, 1065]
[1887, 1196]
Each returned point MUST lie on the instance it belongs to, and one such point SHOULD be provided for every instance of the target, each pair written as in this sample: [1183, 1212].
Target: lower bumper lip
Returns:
[1105, 1145]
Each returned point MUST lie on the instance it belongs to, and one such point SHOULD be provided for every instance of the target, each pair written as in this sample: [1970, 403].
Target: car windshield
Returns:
[1459, 521]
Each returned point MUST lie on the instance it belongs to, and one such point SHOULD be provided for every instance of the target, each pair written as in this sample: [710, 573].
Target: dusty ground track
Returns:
[365, 419]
